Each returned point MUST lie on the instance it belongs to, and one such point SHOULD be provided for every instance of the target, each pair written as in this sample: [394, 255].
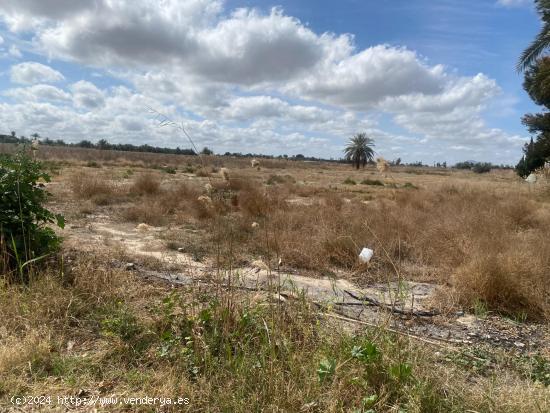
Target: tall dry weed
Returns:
[93, 186]
[146, 184]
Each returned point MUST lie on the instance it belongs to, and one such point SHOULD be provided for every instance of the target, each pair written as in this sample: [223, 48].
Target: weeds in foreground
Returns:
[25, 237]
[103, 331]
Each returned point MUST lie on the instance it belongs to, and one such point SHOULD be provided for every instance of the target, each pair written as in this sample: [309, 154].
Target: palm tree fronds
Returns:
[542, 40]
[359, 150]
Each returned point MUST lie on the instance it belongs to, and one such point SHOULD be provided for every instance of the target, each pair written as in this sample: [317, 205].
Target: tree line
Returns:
[101, 144]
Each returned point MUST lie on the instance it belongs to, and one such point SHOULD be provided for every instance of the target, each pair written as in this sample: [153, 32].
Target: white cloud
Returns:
[38, 93]
[15, 52]
[245, 48]
[362, 80]
[32, 72]
[25, 15]
[241, 80]
[514, 3]
[457, 92]
[1, 40]
[256, 107]
[86, 95]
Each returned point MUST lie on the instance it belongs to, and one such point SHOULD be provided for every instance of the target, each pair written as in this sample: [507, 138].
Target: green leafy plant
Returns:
[482, 168]
[540, 370]
[326, 370]
[367, 352]
[401, 371]
[25, 234]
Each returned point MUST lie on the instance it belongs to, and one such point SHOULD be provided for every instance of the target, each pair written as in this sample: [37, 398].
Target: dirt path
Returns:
[404, 306]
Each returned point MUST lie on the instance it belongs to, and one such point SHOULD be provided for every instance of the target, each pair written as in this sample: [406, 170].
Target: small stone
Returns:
[130, 266]
[180, 249]
[519, 344]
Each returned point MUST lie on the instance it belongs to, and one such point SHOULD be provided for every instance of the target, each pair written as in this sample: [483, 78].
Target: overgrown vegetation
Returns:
[537, 75]
[103, 331]
[489, 246]
[25, 234]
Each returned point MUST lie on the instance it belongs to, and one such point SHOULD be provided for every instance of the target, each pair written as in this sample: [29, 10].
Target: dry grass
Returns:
[478, 235]
[93, 187]
[146, 184]
[98, 330]
[488, 246]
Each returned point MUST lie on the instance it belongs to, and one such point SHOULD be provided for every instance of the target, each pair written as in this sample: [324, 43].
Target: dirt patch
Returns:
[406, 306]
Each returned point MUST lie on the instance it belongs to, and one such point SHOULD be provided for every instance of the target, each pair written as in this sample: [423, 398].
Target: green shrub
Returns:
[482, 167]
[349, 181]
[24, 233]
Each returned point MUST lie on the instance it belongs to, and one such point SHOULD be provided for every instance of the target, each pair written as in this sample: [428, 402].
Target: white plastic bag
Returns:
[532, 178]
[366, 255]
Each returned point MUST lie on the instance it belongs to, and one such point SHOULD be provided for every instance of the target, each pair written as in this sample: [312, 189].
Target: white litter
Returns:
[532, 178]
[366, 255]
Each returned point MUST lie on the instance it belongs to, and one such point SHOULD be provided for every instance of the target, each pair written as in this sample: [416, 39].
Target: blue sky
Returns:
[429, 80]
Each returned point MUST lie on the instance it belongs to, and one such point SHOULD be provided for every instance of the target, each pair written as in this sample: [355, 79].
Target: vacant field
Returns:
[102, 320]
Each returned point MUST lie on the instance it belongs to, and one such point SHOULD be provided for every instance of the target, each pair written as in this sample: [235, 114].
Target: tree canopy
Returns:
[536, 66]
[541, 41]
[537, 85]
[359, 150]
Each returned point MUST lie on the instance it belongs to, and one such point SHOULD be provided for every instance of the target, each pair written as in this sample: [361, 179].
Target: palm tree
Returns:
[541, 42]
[359, 150]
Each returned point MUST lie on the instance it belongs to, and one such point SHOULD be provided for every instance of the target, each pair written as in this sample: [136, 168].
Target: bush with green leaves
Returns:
[482, 167]
[25, 234]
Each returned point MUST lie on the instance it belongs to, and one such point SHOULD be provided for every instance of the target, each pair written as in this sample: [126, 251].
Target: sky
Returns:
[428, 80]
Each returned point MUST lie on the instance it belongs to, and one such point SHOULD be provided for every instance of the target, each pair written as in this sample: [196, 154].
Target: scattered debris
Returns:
[531, 179]
[366, 255]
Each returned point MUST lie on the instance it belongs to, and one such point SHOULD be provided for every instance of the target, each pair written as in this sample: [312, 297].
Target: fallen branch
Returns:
[373, 302]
